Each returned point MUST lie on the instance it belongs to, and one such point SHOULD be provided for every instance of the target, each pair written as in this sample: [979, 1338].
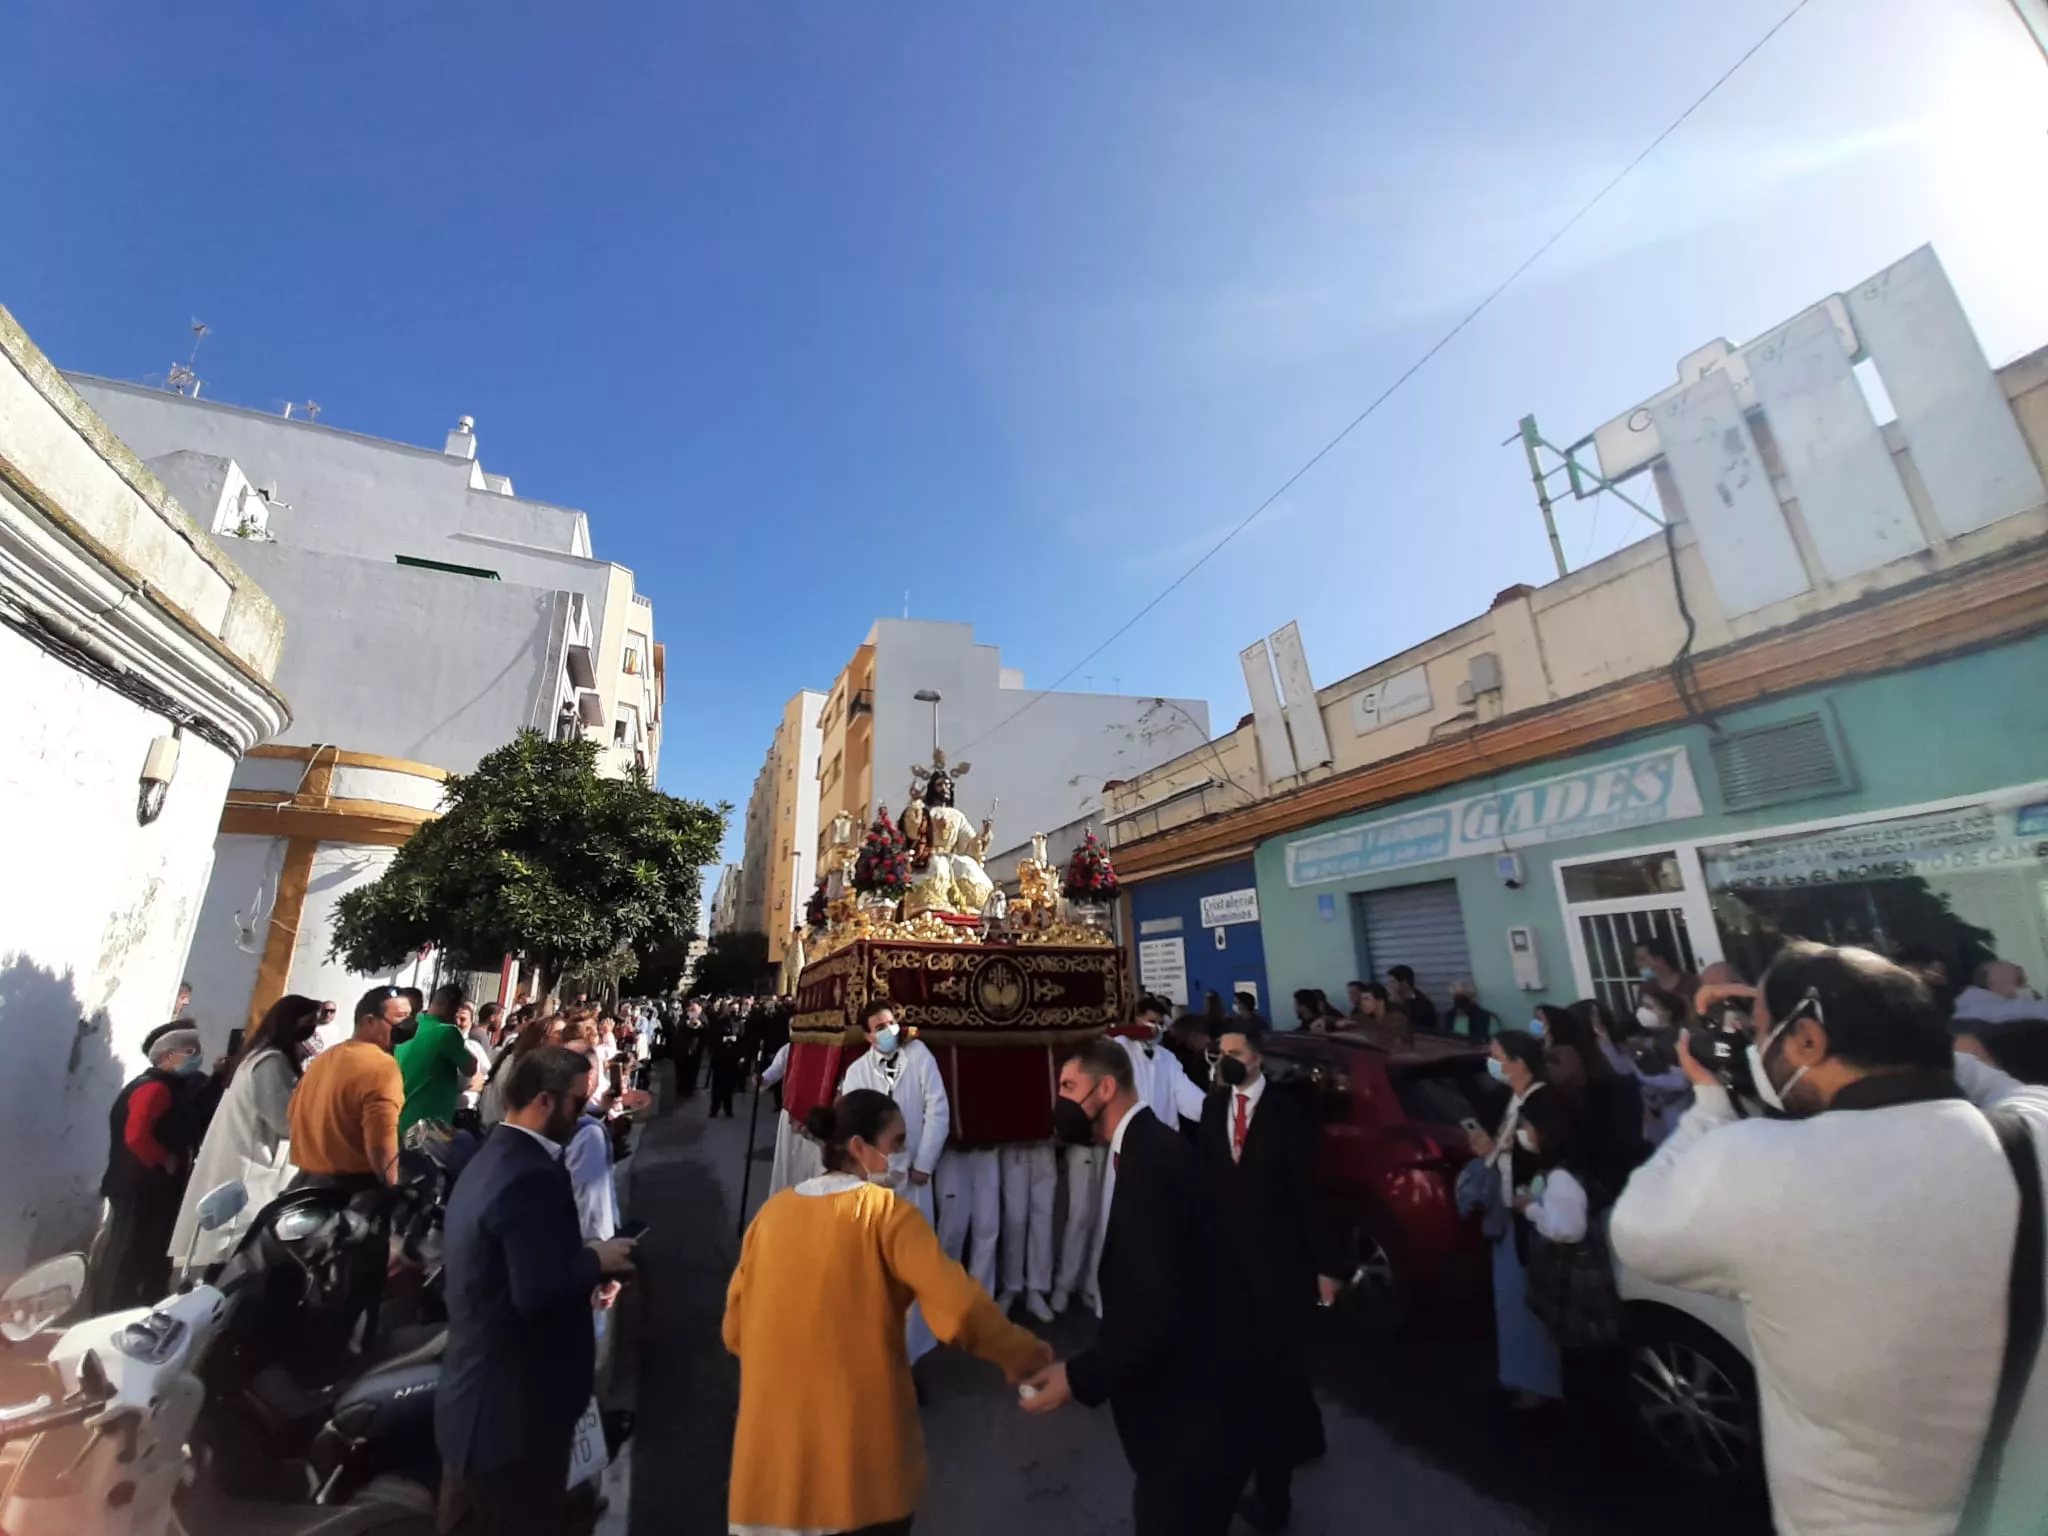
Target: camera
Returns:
[1720, 1042]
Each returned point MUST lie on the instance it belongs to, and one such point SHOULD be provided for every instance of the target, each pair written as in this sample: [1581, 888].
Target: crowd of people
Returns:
[1866, 1192]
[529, 1111]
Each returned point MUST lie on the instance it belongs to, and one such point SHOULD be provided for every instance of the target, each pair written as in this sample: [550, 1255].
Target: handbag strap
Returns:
[2026, 1306]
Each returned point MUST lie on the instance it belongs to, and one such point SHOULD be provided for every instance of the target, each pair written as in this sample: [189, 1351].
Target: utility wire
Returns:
[1407, 373]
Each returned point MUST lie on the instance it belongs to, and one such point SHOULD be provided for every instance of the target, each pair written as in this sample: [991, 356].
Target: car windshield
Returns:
[1447, 1093]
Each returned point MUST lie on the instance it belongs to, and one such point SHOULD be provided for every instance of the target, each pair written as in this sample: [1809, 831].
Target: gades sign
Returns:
[1634, 792]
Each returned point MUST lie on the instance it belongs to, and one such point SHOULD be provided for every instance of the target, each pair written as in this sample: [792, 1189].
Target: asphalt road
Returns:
[1416, 1441]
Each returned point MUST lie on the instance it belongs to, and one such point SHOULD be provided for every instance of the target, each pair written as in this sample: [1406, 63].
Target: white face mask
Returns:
[1525, 1138]
[893, 1176]
[1773, 1094]
[887, 1038]
[1649, 1017]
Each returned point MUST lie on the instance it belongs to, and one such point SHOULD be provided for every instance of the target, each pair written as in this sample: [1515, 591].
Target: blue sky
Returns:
[1016, 307]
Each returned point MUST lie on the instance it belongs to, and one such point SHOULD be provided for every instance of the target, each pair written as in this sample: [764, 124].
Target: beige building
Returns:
[782, 828]
[1709, 610]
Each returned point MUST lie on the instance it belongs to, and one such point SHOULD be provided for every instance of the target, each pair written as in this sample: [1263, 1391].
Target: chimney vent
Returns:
[462, 441]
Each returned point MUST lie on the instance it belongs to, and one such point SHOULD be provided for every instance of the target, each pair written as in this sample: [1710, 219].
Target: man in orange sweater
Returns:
[344, 1115]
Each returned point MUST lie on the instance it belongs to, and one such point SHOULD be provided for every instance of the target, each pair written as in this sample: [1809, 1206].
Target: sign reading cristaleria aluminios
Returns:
[1631, 792]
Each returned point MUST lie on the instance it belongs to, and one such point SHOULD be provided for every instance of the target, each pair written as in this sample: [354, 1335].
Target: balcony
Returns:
[860, 703]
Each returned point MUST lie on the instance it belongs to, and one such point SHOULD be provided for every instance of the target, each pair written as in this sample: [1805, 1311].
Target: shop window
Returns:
[1961, 886]
[1775, 764]
[1648, 874]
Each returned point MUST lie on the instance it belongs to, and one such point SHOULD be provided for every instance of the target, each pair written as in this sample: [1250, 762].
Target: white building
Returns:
[141, 663]
[1038, 760]
[725, 900]
[432, 615]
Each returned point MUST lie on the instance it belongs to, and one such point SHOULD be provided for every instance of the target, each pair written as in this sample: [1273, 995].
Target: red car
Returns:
[1394, 1138]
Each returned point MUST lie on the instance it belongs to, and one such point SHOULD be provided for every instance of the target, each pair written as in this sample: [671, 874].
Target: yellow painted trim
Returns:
[333, 756]
[341, 821]
[274, 973]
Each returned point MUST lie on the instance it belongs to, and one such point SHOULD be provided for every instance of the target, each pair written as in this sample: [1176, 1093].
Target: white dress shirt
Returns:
[1249, 1095]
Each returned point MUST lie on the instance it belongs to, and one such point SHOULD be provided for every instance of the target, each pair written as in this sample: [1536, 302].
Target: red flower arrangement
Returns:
[882, 867]
[816, 913]
[1090, 875]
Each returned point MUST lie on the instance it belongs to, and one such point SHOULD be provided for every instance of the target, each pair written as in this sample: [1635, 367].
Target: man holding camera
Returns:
[1870, 1235]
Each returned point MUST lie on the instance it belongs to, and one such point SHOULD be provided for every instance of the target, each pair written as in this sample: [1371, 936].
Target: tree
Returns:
[536, 854]
[733, 964]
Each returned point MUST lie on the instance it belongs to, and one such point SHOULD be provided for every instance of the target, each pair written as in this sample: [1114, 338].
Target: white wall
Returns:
[1047, 767]
[222, 965]
[95, 916]
[416, 664]
[804, 839]
[338, 868]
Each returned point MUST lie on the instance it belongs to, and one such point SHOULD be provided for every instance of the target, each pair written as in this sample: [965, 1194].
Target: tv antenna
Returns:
[183, 378]
[310, 408]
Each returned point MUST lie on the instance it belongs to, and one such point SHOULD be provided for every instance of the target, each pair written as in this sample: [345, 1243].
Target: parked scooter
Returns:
[106, 1446]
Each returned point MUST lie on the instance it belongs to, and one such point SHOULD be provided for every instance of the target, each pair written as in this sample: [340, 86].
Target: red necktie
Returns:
[1244, 1116]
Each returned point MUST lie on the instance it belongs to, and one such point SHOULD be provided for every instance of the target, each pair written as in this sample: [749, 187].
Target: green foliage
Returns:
[536, 854]
[733, 964]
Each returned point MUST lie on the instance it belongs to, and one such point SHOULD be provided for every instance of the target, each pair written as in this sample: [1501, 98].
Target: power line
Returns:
[1407, 373]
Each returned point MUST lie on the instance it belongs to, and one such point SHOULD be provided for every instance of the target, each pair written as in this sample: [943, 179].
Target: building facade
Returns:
[725, 901]
[1037, 760]
[143, 664]
[432, 615]
[1802, 708]
[782, 827]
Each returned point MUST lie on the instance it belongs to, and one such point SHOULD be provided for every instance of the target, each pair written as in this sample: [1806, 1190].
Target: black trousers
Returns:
[133, 1266]
[724, 1082]
[1198, 1501]
[521, 1500]
[1284, 1429]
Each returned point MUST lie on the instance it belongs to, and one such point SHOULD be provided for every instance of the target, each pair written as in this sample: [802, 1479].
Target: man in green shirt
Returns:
[436, 1062]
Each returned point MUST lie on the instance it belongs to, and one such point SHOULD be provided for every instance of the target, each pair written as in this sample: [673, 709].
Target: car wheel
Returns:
[1692, 1396]
[1376, 1292]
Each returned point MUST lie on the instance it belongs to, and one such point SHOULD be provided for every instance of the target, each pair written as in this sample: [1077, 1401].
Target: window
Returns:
[419, 562]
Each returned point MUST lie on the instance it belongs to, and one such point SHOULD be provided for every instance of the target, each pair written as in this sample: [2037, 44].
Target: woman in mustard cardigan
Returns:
[815, 1314]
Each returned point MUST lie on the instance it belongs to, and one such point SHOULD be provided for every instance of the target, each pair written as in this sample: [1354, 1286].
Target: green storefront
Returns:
[1907, 811]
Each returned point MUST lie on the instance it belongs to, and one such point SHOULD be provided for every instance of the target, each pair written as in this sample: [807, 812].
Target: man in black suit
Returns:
[1275, 1263]
[521, 1354]
[1150, 1361]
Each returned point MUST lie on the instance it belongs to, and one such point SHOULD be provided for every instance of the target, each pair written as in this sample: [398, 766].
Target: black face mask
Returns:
[1071, 1123]
[1232, 1072]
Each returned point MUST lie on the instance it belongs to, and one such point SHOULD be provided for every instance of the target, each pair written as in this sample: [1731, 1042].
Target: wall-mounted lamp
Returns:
[158, 769]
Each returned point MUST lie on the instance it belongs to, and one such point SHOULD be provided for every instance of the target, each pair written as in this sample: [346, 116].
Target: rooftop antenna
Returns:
[310, 407]
[182, 378]
[1584, 482]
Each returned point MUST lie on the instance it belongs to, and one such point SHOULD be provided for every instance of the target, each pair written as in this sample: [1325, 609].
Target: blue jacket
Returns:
[522, 1356]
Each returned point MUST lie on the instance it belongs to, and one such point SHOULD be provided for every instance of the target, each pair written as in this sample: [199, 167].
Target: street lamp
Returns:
[930, 696]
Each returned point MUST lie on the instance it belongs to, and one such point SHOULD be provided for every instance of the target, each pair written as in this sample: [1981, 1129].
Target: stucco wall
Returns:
[404, 663]
[1047, 767]
[95, 916]
[1959, 727]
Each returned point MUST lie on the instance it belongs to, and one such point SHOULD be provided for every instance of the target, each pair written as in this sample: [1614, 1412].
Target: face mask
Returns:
[1525, 1138]
[1234, 1073]
[887, 1038]
[1536, 1028]
[893, 1176]
[191, 1065]
[1773, 1094]
[1072, 1123]
[1498, 1068]
[1649, 1017]
[1647, 974]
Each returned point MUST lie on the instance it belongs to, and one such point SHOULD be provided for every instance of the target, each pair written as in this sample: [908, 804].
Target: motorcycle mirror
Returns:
[41, 1296]
[221, 1205]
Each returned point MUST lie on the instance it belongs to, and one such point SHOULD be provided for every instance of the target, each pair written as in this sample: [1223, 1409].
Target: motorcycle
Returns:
[102, 1450]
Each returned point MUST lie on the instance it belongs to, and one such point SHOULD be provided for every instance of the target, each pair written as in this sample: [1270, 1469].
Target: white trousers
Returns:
[1081, 1240]
[1030, 1178]
[970, 1189]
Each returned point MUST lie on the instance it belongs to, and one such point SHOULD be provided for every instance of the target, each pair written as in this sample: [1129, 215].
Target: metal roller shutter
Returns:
[1421, 926]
